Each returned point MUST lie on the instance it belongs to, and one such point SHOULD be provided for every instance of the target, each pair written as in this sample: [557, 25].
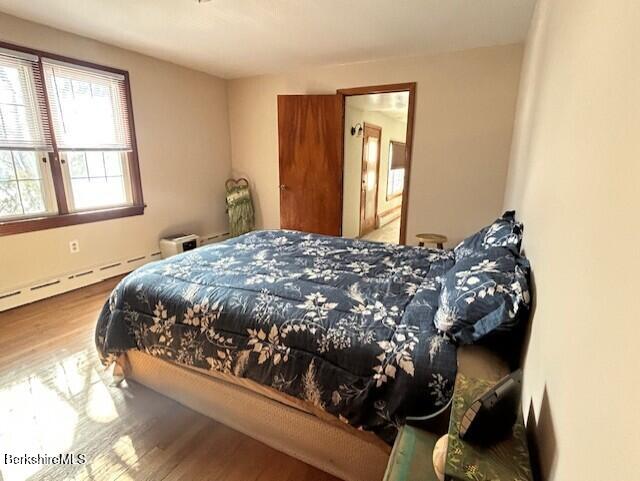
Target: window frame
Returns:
[65, 216]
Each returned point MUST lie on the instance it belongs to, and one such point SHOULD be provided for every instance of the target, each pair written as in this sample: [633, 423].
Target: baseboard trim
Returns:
[26, 294]
[389, 215]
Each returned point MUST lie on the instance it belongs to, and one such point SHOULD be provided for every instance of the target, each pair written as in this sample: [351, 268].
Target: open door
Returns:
[369, 182]
[310, 137]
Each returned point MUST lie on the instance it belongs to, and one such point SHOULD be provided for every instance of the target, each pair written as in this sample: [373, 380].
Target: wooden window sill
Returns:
[50, 222]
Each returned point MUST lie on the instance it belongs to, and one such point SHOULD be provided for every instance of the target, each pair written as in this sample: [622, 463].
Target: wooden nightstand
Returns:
[436, 239]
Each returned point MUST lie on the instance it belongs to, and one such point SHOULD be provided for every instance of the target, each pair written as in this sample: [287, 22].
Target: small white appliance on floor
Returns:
[178, 243]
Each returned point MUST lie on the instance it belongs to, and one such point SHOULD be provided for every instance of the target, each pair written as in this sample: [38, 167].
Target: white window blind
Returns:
[23, 114]
[89, 109]
[397, 154]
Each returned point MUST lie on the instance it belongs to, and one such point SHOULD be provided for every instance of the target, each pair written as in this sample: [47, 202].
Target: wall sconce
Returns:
[357, 130]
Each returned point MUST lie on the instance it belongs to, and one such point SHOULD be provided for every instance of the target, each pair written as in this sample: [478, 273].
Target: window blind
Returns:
[89, 109]
[398, 155]
[24, 124]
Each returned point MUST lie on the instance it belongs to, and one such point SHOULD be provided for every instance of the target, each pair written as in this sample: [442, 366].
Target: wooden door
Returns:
[369, 182]
[310, 145]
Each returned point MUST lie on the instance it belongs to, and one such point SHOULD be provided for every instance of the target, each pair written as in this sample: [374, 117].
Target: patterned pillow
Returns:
[483, 293]
[503, 232]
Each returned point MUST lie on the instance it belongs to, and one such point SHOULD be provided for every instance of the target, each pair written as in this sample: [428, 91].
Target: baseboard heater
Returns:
[18, 296]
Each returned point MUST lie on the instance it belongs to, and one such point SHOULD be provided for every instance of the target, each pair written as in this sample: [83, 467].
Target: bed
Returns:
[321, 347]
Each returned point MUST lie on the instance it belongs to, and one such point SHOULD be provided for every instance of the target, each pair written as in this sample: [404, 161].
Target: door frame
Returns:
[363, 194]
[382, 89]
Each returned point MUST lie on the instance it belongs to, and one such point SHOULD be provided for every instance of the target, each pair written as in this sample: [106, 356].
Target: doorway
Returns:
[378, 128]
[320, 183]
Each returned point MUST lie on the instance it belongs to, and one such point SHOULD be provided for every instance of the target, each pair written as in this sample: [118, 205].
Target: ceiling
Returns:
[237, 38]
[394, 105]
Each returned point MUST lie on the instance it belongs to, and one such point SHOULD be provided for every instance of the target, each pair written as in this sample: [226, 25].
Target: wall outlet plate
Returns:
[74, 246]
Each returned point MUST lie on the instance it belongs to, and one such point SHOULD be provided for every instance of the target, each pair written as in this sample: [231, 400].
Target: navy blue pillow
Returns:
[503, 232]
[484, 293]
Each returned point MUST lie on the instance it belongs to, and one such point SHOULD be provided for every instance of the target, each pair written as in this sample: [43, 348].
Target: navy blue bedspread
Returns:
[346, 325]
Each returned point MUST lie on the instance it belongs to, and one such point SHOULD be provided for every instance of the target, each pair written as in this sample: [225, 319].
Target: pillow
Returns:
[484, 293]
[503, 232]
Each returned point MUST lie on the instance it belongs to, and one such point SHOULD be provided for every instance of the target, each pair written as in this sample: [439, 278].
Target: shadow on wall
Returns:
[529, 327]
[542, 440]
[540, 430]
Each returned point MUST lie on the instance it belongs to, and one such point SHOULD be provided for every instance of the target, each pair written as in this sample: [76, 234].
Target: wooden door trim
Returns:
[378, 89]
[363, 196]
[390, 88]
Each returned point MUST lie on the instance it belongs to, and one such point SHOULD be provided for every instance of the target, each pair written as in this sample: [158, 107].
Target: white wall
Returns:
[465, 106]
[463, 127]
[352, 174]
[392, 129]
[183, 142]
[574, 178]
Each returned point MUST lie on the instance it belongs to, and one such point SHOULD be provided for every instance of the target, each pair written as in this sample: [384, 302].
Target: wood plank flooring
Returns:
[56, 398]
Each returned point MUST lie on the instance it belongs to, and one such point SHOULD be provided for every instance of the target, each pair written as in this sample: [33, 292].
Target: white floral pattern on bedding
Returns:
[344, 324]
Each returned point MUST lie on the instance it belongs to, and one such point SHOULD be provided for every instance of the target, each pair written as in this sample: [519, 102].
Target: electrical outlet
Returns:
[74, 246]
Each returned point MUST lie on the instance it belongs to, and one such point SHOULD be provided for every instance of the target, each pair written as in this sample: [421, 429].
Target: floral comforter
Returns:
[346, 325]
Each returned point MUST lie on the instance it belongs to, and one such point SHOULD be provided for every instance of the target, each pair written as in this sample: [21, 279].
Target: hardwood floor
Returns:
[389, 233]
[55, 398]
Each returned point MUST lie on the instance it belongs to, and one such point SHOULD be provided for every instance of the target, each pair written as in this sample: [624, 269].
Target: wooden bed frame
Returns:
[339, 450]
[333, 447]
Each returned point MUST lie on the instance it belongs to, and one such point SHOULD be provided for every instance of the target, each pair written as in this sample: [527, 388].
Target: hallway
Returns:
[389, 233]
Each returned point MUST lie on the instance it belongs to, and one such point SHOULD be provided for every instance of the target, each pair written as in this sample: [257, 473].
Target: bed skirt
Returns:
[341, 451]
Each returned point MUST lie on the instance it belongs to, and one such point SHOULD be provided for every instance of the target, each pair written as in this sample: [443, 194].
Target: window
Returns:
[25, 185]
[395, 184]
[96, 179]
[67, 144]
[91, 131]
[397, 164]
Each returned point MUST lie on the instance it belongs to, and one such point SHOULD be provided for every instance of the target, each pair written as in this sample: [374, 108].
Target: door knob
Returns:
[283, 187]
